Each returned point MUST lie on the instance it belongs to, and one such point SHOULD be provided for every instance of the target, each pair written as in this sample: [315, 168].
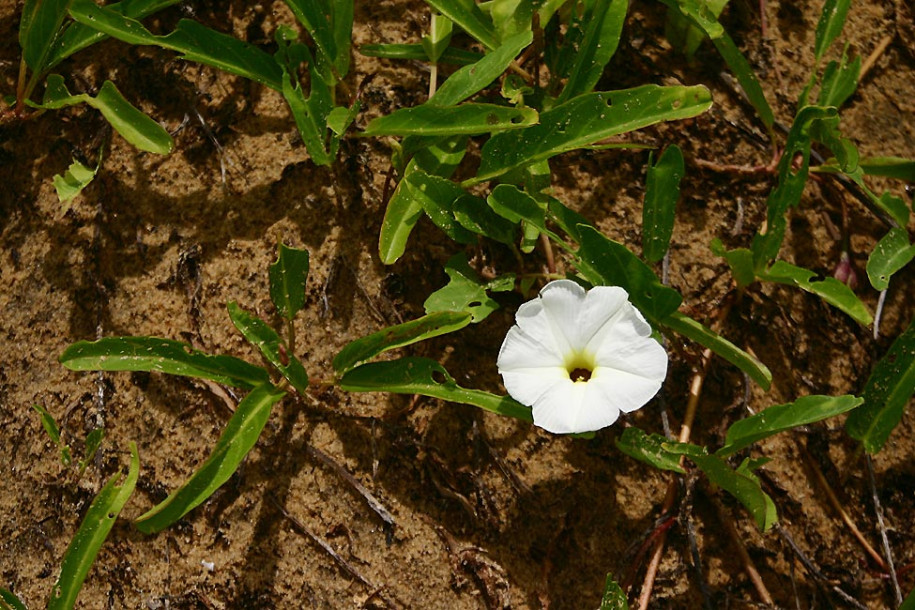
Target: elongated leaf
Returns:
[791, 182]
[392, 337]
[705, 20]
[39, 28]
[99, 519]
[311, 14]
[436, 41]
[567, 219]
[779, 418]
[741, 483]
[886, 394]
[720, 346]
[683, 35]
[604, 261]
[662, 190]
[77, 36]
[649, 448]
[474, 78]
[614, 598]
[428, 378]
[466, 119]
[465, 292]
[829, 289]
[343, 34]
[9, 601]
[264, 338]
[470, 18]
[476, 216]
[830, 25]
[892, 253]
[71, 184]
[437, 197]
[840, 79]
[891, 167]
[401, 215]
[161, 356]
[516, 206]
[194, 41]
[602, 36]
[450, 55]
[587, 119]
[48, 423]
[288, 275]
[135, 127]
[239, 436]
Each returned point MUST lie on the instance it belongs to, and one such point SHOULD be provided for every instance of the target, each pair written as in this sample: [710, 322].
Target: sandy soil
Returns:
[487, 512]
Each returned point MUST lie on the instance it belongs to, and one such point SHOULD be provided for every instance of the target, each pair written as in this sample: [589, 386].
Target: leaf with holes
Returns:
[829, 289]
[465, 119]
[465, 292]
[649, 448]
[892, 253]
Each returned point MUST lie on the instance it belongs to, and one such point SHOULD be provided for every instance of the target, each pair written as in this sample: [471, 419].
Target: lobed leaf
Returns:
[75, 179]
[886, 394]
[194, 41]
[465, 119]
[604, 261]
[134, 126]
[585, 120]
[649, 448]
[465, 292]
[91, 535]
[238, 438]
[601, 38]
[892, 253]
[779, 418]
[264, 338]
[662, 189]
[288, 275]
[392, 337]
[691, 329]
[428, 378]
[829, 289]
[160, 356]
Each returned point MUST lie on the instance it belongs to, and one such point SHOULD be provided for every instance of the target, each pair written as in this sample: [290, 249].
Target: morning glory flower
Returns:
[580, 357]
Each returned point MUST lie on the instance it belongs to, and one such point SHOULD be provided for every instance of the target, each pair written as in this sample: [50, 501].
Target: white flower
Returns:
[578, 357]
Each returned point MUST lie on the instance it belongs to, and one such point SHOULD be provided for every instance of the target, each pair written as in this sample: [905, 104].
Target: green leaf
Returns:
[160, 356]
[428, 378]
[134, 126]
[264, 338]
[85, 545]
[475, 215]
[602, 36]
[466, 119]
[514, 205]
[699, 15]
[614, 598]
[77, 36]
[566, 219]
[238, 438]
[662, 189]
[9, 601]
[587, 119]
[465, 292]
[604, 261]
[830, 25]
[467, 15]
[741, 483]
[740, 260]
[683, 35]
[827, 132]
[93, 442]
[48, 423]
[892, 253]
[830, 289]
[392, 337]
[194, 41]
[909, 603]
[437, 197]
[791, 182]
[310, 114]
[890, 167]
[720, 346]
[436, 41]
[649, 448]
[886, 394]
[474, 78]
[451, 55]
[39, 28]
[779, 418]
[76, 178]
[840, 79]
[288, 275]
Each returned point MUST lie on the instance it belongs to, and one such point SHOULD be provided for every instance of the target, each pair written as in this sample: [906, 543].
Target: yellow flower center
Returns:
[580, 366]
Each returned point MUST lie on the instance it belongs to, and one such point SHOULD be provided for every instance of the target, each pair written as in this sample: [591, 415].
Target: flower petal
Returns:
[520, 350]
[627, 391]
[563, 301]
[527, 386]
[570, 408]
